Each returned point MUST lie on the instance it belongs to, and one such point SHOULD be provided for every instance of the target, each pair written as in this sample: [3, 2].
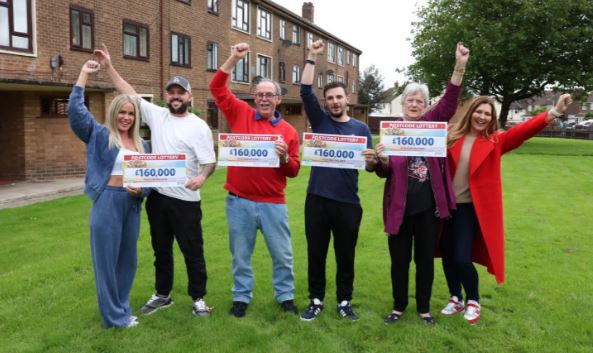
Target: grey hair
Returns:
[276, 85]
[413, 88]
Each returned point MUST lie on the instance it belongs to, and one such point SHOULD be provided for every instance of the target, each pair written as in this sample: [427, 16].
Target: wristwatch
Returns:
[556, 113]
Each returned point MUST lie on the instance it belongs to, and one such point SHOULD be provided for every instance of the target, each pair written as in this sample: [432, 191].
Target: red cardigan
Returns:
[486, 188]
[256, 184]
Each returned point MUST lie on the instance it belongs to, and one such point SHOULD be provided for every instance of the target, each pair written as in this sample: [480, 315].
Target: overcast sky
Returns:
[380, 28]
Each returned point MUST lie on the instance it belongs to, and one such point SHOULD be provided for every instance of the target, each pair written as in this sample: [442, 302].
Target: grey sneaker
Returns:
[155, 303]
[345, 310]
[199, 308]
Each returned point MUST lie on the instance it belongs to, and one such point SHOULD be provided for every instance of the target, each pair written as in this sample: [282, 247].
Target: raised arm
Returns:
[515, 136]
[81, 120]
[104, 59]
[238, 52]
[309, 70]
[314, 110]
[461, 58]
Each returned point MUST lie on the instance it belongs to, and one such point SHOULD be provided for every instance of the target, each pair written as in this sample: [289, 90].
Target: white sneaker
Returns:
[453, 307]
[133, 322]
[199, 308]
[472, 312]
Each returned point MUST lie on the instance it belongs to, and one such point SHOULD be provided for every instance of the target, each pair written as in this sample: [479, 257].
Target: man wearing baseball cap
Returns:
[175, 212]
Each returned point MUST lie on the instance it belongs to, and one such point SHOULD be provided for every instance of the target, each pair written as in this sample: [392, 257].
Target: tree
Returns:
[371, 91]
[517, 47]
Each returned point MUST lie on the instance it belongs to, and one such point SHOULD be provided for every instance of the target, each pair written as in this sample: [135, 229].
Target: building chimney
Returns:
[308, 11]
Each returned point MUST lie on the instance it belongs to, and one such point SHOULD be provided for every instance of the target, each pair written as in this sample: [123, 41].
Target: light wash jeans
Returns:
[244, 218]
[115, 225]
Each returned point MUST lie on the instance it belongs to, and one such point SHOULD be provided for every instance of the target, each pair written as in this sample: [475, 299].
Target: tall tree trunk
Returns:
[504, 111]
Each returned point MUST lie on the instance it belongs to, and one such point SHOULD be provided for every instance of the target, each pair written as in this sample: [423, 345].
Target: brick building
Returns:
[44, 43]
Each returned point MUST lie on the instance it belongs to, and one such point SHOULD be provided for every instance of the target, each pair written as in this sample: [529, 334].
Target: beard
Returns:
[182, 108]
[335, 115]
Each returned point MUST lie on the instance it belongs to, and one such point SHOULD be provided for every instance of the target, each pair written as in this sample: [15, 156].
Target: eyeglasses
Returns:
[265, 95]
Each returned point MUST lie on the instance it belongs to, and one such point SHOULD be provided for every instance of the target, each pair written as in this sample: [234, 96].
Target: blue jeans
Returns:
[457, 244]
[244, 218]
[115, 225]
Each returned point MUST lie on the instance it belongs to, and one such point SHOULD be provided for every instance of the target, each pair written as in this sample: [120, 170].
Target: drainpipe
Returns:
[161, 70]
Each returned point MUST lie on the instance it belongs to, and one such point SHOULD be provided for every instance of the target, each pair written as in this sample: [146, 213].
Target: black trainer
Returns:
[345, 310]
[288, 306]
[313, 310]
[238, 309]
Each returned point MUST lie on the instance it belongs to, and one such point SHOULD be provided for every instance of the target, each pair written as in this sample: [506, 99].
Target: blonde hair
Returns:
[110, 122]
[463, 125]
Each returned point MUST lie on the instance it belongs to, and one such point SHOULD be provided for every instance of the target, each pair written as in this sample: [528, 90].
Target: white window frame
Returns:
[339, 78]
[309, 39]
[347, 57]
[354, 60]
[353, 90]
[269, 66]
[214, 56]
[296, 74]
[282, 30]
[246, 69]
[264, 33]
[244, 24]
[330, 78]
[331, 52]
[296, 29]
[340, 56]
[320, 80]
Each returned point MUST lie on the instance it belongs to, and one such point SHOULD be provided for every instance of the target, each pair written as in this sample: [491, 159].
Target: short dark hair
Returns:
[334, 84]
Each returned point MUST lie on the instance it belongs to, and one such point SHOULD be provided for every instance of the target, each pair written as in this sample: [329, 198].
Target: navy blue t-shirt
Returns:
[332, 183]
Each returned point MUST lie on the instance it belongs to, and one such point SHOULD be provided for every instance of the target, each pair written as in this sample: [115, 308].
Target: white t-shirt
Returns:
[175, 135]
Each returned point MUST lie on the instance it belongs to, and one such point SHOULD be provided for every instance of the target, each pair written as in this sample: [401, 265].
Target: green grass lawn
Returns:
[48, 301]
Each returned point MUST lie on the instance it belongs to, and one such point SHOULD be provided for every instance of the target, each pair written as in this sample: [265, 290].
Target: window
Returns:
[282, 29]
[330, 77]
[281, 72]
[353, 90]
[264, 66]
[135, 40]
[296, 74]
[56, 106]
[347, 57]
[340, 56]
[354, 60]
[320, 80]
[240, 19]
[185, 1]
[212, 115]
[296, 34]
[339, 78]
[264, 23]
[212, 64]
[309, 40]
[331, 52]
[16, 31]
[180, 49]
[241, 70]
[81, 29]
[213, 6]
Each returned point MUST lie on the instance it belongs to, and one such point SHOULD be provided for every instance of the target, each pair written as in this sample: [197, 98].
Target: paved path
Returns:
[23, 193]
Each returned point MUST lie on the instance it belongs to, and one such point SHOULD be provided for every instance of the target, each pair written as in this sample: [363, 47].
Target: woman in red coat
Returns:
[475, 232]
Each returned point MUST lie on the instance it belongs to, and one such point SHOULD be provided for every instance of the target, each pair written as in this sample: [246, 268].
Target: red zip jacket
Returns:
[255, 184]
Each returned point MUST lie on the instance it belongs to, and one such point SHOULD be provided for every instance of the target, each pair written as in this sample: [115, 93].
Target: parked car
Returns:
[586, 124]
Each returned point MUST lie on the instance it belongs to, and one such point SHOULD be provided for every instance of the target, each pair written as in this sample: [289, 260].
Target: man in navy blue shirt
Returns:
[332, 204]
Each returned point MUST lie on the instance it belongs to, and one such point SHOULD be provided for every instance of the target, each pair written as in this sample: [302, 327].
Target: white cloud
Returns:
[380, 28]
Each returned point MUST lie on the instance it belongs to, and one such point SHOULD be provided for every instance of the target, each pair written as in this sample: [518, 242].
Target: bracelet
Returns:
[309, 61]
[459, 71]
[556, 113]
